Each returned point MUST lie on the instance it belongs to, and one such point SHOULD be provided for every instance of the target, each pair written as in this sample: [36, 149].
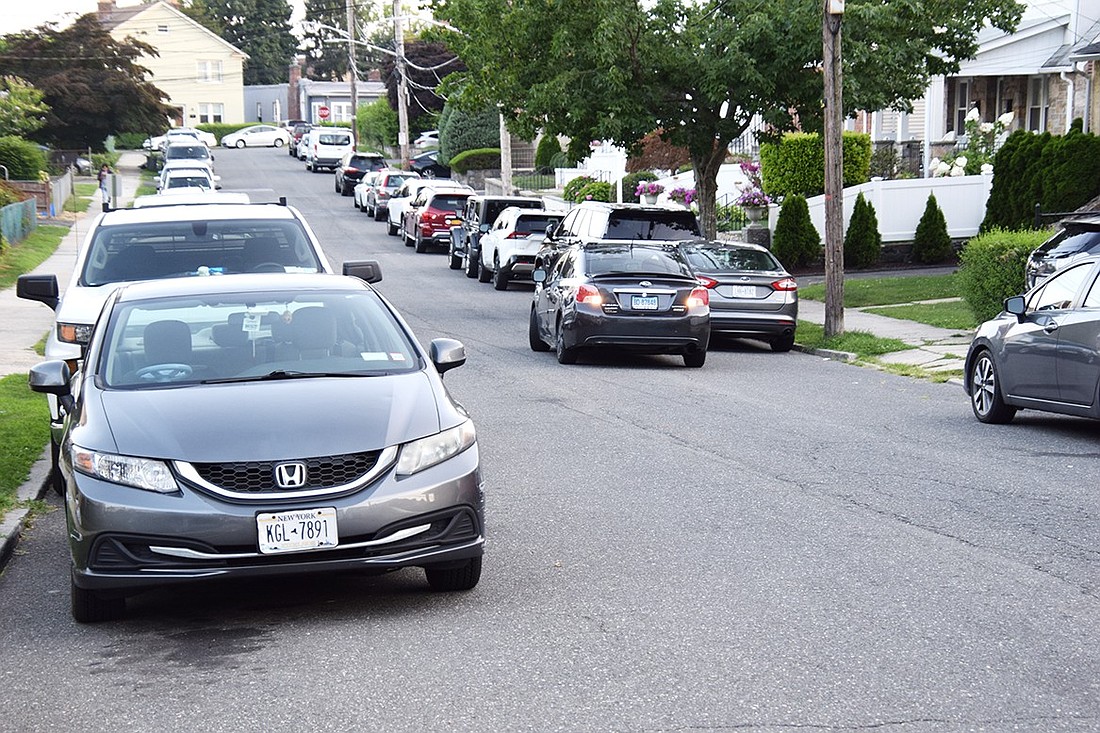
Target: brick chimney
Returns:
[293, 98]
[374, 75]
[105, 10]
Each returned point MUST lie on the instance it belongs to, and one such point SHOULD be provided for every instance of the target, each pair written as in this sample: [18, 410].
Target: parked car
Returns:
[751, 294]
[325, 147]
[427, 165]
[188, 178]
[508, 249]
[1078, 238]
[595, 221]
[349, 171]
[374, 199]
[180, 134]
[279, 477]
[194, 152]
[395, 210]
[359, 192]
[1042, 352]
[296, 134]
[638, 296]
[477, 218]
[257, 136]
[428, 219]
[427, 139]
[165, 242]
[184, 166]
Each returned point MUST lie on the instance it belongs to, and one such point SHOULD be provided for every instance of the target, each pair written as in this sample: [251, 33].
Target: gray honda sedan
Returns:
[255, 425]
[1042, 352]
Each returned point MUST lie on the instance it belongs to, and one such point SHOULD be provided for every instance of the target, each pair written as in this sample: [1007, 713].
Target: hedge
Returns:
[796, 164]
[23, 159]
[476, 160]
[992, 268]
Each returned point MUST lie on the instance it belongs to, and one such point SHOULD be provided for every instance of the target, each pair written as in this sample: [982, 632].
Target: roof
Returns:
[1038, 45]
[115, 17]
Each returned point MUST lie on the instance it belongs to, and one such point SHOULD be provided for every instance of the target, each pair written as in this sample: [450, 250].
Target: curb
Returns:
[15, 521]
[845, 356]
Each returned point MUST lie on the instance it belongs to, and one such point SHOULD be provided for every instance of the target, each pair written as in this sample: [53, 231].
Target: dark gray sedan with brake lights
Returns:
[257, 425]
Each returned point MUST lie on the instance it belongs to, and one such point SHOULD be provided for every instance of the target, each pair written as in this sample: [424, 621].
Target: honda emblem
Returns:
[290, 475]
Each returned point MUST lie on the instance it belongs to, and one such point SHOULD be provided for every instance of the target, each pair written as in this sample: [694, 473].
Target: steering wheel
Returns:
[164, 372]
[268, 267]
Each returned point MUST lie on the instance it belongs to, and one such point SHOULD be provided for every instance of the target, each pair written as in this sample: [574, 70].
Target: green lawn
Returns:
[864, 345]
[863, 292]
[84, 194]
[24, 256]
[955, 314]
[24, 433]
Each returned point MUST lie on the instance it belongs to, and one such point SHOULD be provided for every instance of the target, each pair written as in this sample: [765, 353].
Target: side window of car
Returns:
[1092, 300]
[563, 228]
[1059, 291]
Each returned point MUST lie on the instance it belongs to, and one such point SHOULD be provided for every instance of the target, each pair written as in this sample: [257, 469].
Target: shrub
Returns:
[569, 193]
[595, 191]
[630, 184]
[460, 131]
[24, 159]
[547, 149]
[477, 160]
[862, 241]
[795, 241]
[796, 164]
[221, 129]
[377, 123]
[931, 242]
[992, 268]
[129, 140]
[10, 195]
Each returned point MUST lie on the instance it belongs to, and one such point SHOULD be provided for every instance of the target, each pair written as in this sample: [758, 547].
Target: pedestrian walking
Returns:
[104, 175]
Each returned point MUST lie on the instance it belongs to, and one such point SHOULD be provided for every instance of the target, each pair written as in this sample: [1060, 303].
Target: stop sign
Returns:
[322, 112]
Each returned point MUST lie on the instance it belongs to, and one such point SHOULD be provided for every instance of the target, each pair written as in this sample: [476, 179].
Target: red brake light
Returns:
[589, 295]
[707, 282]
[786, 284]
[698, 298]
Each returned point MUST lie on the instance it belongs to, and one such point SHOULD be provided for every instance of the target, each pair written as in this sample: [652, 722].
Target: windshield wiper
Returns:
[286, 374]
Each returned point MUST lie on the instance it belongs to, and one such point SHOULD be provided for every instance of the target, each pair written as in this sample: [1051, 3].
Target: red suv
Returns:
[431, 214]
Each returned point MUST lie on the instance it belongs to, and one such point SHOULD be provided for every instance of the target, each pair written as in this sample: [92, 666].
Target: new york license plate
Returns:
[297, 530]
[643, 302]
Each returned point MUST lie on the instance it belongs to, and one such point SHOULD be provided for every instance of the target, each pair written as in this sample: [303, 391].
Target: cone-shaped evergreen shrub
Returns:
[862, 241]
[795, 241]
[931, 243]
[547, 148]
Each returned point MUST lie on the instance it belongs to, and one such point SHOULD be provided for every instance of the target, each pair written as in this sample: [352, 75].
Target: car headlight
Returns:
[141, 473]
[74, 333]
[427, 452]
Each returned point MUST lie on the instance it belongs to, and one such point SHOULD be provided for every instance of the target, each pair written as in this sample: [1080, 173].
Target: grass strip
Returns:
[864, 345]
[24, 433]
[863, 292]
[83, 195]
[955, 314]
[24, 256]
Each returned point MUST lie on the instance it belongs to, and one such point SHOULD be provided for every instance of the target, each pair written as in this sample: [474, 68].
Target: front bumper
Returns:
[126, 540]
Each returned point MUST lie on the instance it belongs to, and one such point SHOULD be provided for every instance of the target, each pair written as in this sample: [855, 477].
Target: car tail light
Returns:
[787, 284]
[707, 282]
[589, 295]
[351, 169]
[698, 298]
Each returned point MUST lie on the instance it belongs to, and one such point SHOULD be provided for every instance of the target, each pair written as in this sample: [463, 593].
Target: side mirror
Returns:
[42, 288]
[484, 228]
[550, 230]
[52, 377]
[367, 270]
[447, 354]
[1017, 306]
[538, 275]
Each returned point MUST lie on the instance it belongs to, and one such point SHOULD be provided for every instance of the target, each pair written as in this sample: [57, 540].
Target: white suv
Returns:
[508, 250]
[186, 240]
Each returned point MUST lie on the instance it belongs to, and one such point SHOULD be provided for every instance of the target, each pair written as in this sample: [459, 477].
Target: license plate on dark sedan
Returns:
[296, 530]
[643, 302]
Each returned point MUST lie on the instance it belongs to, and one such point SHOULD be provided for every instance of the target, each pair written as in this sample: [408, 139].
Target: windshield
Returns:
[730, 259]
[242, 337]
[628, 260]
[150, 251]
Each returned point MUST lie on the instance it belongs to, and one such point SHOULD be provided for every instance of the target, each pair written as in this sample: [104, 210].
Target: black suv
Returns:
[595, 221]
[478, 218]
[1079, 237]
[351, 168]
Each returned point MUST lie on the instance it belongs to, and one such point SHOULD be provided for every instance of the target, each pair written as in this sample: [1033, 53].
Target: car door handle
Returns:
[1051, 327]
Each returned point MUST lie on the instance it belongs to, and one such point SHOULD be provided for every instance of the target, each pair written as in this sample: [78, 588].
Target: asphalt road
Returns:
[772, 542]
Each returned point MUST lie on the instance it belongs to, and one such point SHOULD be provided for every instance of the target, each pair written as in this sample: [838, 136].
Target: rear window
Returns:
[671, 225]
[730, 259]
[394, 180]
[197, 152]
[535, 224]
[150, 251]
[330, 139]
[367, 162]
[493, 208]
[629, 260]
[449, 202]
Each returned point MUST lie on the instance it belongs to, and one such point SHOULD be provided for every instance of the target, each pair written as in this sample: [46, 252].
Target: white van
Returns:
[326, 146]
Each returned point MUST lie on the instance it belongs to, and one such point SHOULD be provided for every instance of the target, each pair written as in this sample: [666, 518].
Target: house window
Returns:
[211, 112]
[341, 112]
[962, 105]
[209, 72]
[1037, 104]
[276, 112]
[259, 111]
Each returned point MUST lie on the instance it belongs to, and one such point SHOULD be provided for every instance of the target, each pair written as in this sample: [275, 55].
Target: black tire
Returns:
[56, 480]
[782, 344]
[336, 185]
[695, 359]
[240, 144]
[533, 337]
[278, 142]
[986, 399]
[89, 607]
[377, 213]
[565, 356]
[455, 263]
[473, 264]
[391, 229]
[419, 244]
[484, 275]
[500, 277]
[448, 579]
[345, 190]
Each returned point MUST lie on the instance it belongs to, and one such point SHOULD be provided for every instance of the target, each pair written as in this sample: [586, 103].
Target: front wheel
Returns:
[240, 144]
[533, 337]
[451, 578]
[89, 607]
[278, 142]
[986, 398]
[473, 263]
[56, 480]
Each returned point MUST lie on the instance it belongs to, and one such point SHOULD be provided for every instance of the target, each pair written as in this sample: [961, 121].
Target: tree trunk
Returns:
[706, 188]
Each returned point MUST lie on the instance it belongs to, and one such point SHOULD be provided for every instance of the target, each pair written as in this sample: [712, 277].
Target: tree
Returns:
[91, 83]
[325, 38]
[22, 110]
[862, 241]
[931, 242]
[700, 72]
[260, 28]
[427, 63]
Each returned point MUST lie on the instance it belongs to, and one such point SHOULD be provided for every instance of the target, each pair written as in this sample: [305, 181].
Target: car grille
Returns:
[258, 478]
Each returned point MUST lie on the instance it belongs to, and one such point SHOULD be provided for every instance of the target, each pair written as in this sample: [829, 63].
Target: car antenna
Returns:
[282, 201]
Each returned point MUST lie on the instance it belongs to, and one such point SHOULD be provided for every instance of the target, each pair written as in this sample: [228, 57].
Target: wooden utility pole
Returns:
[350, 6]
[402, 84]
[834, 170]
[505, 157]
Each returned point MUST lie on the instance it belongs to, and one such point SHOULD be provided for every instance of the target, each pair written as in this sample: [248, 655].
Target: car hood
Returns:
[82, 304]
[256, 421]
